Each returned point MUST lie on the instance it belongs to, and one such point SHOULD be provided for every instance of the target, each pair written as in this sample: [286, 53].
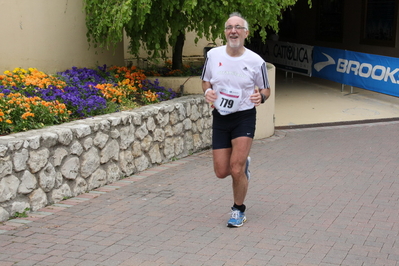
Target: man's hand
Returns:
[210, 96]
[256, 98]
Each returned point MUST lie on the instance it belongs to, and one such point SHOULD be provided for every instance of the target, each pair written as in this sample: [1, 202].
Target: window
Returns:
[330, 20]
[379, 22]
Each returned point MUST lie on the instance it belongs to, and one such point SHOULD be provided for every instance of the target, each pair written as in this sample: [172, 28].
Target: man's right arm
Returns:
[206, 85]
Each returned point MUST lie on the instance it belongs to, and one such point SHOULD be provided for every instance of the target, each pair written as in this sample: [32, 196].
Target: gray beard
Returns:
[235, 45]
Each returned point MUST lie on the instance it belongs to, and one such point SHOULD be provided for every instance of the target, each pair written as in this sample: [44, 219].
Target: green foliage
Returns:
[156, 24]
[106, 19]
[21, 215]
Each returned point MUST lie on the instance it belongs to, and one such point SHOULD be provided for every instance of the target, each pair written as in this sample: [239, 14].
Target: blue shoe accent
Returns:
[237, 218]
[247, 172]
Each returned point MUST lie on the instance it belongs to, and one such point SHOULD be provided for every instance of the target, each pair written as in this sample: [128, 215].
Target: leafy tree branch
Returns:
[156, 25]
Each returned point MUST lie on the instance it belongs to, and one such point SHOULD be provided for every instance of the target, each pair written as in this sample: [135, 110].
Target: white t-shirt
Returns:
[235, 77]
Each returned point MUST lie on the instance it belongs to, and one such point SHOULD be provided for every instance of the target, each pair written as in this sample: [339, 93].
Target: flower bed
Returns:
[31, 99]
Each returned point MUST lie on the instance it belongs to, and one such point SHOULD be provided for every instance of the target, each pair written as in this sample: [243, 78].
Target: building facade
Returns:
[367, 26]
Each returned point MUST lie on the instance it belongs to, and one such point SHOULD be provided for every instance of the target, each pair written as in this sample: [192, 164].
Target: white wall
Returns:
[191, 50]
[49, 35]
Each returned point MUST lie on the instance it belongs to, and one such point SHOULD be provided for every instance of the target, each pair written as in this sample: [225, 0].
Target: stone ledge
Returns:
[42, 167]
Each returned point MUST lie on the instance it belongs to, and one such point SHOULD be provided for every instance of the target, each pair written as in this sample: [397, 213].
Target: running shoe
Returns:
[237, 218]
[247, 172]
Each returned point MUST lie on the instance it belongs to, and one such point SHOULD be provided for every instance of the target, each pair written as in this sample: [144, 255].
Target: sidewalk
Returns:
[318, 196]
[303, 100]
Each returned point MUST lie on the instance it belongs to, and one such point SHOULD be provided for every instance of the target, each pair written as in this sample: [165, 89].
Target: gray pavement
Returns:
[303, 100]
[317, 196]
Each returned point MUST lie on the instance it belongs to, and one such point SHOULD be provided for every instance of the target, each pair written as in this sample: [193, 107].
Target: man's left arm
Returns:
[262, 91]
[260, 96]
[265, 94]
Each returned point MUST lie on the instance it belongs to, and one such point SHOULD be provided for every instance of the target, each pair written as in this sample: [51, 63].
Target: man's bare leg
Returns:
[240, 152]
[232, 161]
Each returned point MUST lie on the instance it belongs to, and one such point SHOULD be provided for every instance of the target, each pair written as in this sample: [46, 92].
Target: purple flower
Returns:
[163, 93]
[80, 95]
[4, 90]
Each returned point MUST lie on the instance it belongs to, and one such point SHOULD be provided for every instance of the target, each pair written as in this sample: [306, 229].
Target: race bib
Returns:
[228, 101]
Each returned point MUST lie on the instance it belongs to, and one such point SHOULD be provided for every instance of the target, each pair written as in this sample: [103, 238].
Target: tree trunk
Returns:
[177, 57]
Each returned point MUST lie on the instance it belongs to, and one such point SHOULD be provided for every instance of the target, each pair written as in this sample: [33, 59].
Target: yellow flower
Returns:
[27, 115]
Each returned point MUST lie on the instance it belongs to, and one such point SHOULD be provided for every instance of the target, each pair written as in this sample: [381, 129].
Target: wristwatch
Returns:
[263, 98]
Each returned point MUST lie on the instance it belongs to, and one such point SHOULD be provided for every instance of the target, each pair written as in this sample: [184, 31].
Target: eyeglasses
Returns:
[237, 27]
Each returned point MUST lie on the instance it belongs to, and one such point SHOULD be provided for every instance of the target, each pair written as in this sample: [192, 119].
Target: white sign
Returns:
[291, 57]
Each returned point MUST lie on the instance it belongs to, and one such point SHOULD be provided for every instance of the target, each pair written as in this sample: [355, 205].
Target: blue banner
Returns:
[371, 72]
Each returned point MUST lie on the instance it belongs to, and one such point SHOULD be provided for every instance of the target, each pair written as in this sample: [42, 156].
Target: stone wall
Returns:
[42, 167]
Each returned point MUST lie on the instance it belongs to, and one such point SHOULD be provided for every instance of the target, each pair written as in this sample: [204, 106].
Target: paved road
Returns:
[318, 196]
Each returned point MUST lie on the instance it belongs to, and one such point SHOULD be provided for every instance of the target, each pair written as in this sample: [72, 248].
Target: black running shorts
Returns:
[228, 127]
